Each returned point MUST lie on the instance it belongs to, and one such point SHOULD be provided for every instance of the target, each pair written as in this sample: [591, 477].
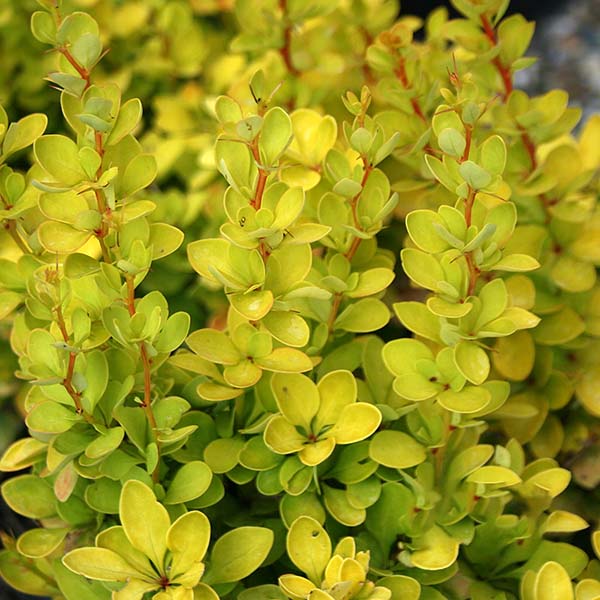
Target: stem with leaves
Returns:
[147, 367]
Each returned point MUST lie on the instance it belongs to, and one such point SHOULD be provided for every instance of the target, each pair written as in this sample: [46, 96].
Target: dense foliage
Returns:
[194, 297]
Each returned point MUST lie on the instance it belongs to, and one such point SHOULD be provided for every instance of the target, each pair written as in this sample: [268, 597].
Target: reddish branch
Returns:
[502, 69]
[102, 232]
[68, 380]
[82, 71]
[400, 72]
[468, 139]
[286, 49]
[349, 254]
[256, 202]
[474, 270]
[146, 365]
[506, 75]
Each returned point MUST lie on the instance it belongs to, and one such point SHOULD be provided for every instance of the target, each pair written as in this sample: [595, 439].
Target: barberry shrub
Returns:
[205, 306]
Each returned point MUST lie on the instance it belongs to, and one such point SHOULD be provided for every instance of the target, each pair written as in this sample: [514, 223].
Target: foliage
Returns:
[287, 447]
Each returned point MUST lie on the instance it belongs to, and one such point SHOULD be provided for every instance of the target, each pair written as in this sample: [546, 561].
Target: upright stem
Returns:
[103, 209]
[506, 75]
[474, 270]
[68, 380]
[147, 400]
[468, 139]
[502, 69]
[349, 254]
[402, 76]
[286, 49]
[256, 202]
[82, 71]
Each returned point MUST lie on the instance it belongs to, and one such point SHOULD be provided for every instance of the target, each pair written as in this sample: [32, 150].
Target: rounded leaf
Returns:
[309, 547]
[553, 582]
[436, 550]
[472, 362]
[101, 564]
[191, 480]
[396, 449]
[238, 553]
[356, 422]
[144, 520]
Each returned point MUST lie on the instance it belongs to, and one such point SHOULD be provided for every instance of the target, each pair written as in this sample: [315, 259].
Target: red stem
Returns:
[468, 138]
[286, 49]
[504, 71]
[506, 75]
[474, 270]
[147, 401]
[400, 72]
[349, 254]
[82, 71]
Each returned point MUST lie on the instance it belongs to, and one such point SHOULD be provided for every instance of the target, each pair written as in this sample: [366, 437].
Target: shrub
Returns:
[284, 449]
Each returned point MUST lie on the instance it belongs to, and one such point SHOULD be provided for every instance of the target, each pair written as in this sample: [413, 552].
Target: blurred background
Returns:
[567, 41]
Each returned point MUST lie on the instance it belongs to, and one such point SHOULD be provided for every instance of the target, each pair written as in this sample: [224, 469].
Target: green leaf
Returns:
[435, 550]
[494, 475]
[340, 509]
[188, 540]
[285, 360]
[129, 116]
[441, 173]
[309, 547]
[422, 268]
[139, 174]
[493, 155]
[420, 225]
[472, 361]
[516, 263]
[282, 437]
[288, 328]
[101, 564]
[59, 157]
[368, 314]
[314, 136]
[22, 454]
[60, 238]
[401, 586]
[22, 575]
[8, 302]
[189, 482]
[37, 543]
[214, 346]
[105, 443]
[470, 399]
[297, 398]
[238, 553]
[30, 496]
[51, 417]
[356, 422]
[222, 455]
[474, 175]
[173, 333]
[396, 450]
[253, 305]
[416, 317]
[23, 133]
[275, 136]
[43, 27]
[144, 520]
[452, 142]
[552, 582]
[80, 265]
[371, 282]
